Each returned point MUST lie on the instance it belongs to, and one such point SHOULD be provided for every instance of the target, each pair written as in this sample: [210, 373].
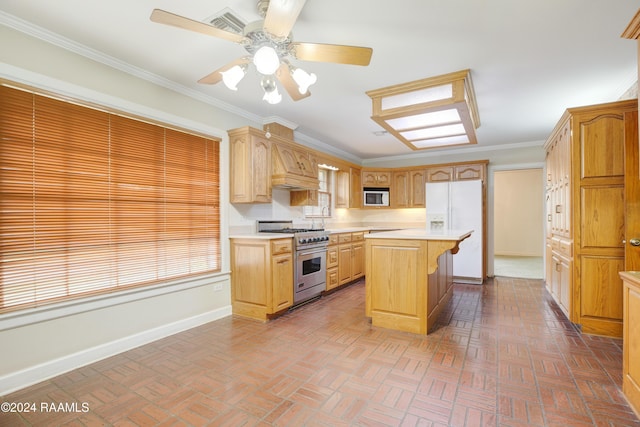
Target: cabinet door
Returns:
[250, 180]
[332, 278]
[357, 260]
[416, 181]
[355, 195]
[343, 187]
[467, 172]
[332, 257]
[440, 174]
[376, 179]
[400, 190]
[344, 263]
[282, 282]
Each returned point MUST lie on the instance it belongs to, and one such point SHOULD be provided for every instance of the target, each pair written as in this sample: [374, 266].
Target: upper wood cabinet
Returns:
[348, 188]
[440, 174]
[469, 172]
[250, 169]
[408, 189]
[373, 178]
[456, 172]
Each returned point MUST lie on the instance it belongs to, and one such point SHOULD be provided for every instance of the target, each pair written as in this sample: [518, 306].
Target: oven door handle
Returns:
[312, 252]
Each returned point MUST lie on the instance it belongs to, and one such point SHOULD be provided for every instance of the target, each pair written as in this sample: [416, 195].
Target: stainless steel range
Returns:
[309, 256]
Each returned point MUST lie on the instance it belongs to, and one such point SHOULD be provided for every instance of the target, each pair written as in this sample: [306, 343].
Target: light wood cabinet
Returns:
[409, 282]
[440, 174]
[631, 339]
[293, 167]
[261, 277]
[585, 214]
[250, 166]
[348, 188]
[373, 178]
[469, 172]
[345, 258]
[408, 189]
[303, 198]
[332, 262]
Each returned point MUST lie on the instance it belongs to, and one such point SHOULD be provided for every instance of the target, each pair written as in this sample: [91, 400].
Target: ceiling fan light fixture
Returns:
[266, 60]
[303, 79]
[271, 94]
[233, 76]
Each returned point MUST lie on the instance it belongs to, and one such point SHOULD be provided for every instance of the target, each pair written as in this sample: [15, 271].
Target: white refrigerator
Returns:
[458, 205]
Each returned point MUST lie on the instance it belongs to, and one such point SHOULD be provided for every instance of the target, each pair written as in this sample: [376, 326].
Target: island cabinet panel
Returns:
[261, 277]
[409, 281]
[399, 291]
[585, 197]
[631, 339]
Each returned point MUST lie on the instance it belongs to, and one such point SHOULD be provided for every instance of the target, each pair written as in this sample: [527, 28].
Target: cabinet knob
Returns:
[634, 242]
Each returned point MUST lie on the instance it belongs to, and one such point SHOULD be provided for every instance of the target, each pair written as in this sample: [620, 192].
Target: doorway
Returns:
[518, 223]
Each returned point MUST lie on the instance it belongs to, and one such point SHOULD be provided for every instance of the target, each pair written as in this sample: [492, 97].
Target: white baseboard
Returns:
[26, 377]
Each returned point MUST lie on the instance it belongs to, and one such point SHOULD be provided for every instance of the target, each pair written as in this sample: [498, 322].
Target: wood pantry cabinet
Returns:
[261, 276]
[250, 166]
[345, 258]
[585, 215]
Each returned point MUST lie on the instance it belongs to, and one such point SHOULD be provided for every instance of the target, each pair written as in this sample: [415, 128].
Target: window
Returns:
[94, 202]
[323, 210]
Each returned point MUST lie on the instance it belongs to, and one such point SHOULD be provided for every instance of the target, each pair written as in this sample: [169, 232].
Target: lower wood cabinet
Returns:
[261, 276]
[345, 258]
[631, 339]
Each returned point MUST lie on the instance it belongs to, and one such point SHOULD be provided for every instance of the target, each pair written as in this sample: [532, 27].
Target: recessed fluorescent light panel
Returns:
[429, 113]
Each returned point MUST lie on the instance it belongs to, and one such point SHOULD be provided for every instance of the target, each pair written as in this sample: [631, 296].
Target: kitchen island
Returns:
[409, 276]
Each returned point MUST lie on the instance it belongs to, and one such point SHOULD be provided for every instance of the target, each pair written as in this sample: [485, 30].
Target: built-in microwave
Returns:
[376, 196]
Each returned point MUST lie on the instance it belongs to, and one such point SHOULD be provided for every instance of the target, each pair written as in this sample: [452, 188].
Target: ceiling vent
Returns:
[227, 20]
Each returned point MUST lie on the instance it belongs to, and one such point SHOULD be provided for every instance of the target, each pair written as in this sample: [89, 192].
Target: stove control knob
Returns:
[325, 238]
[302, 240]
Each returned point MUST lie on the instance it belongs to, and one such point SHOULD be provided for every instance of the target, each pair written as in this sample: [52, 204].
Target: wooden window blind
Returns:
[94, 202]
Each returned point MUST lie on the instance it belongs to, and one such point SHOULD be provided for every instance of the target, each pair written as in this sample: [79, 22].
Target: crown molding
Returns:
[466, 150]
[87, 52]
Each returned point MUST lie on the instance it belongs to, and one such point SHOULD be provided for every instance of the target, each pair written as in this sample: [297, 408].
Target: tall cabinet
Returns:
[585, 215]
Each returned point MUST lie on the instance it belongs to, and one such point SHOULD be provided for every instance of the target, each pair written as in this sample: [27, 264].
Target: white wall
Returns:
[40, 343]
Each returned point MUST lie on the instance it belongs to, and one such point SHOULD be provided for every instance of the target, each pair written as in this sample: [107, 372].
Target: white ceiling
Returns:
[529, 60]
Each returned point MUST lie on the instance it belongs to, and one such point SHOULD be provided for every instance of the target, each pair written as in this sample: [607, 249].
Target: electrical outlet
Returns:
[217, 287]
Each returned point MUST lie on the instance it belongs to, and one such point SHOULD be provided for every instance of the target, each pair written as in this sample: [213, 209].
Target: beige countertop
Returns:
[631, 277]
[421, 234]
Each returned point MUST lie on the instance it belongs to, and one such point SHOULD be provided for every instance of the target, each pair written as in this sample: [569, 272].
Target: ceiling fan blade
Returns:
[353, 55]
[216, 76]
[281, 16]
[286, 80]
[163, 17]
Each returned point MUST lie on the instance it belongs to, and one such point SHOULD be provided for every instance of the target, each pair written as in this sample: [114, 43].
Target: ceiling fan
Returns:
[270, 45]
